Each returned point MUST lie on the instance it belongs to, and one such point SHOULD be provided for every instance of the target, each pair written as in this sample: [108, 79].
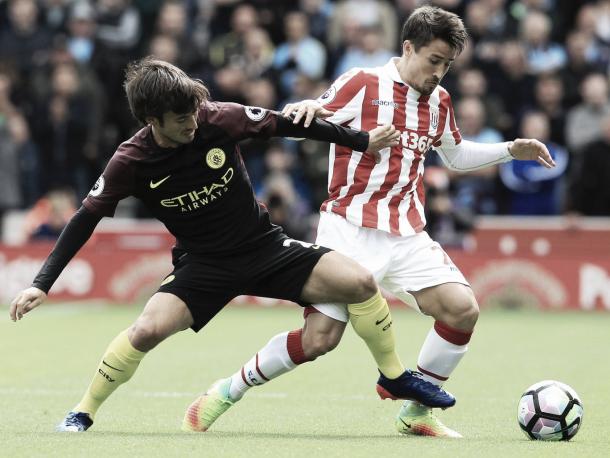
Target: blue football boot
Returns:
[75, 422]
[412, 386]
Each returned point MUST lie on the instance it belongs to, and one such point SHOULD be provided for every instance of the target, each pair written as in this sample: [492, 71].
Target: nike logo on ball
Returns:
[158, 183]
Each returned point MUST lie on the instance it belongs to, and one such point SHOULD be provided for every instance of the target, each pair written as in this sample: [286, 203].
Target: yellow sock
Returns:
[116, 367]
[373, 323]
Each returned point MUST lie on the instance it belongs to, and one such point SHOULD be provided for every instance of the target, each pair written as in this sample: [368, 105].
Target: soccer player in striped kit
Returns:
[375, 209]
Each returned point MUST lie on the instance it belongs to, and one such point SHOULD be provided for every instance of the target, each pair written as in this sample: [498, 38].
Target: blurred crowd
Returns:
[532, 68]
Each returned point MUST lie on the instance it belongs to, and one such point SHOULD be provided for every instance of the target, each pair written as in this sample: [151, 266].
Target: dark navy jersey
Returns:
[201, 190]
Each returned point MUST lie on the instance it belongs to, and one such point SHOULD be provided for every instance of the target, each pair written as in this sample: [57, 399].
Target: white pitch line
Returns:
[176, 394]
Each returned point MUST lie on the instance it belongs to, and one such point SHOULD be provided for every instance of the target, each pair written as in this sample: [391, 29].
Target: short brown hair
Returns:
[155, 87]
[428, 23]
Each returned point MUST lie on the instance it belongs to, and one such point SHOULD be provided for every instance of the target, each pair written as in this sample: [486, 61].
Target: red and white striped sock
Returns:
[442, 351]
[282, 353]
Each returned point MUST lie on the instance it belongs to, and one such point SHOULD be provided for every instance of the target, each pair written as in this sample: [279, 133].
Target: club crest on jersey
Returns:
[215, 158]
[255, 113]
[434, 117]
[98, 187]
[328, 96]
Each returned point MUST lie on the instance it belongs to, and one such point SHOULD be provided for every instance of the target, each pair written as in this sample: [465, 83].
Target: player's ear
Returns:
[153, 121]
[407, 47]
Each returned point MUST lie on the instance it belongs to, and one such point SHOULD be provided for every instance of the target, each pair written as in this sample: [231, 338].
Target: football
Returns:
[550, 411]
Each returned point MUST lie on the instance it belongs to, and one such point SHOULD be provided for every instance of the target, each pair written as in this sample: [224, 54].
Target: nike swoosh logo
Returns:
[158, 183]
[382, 320]
[106, 364]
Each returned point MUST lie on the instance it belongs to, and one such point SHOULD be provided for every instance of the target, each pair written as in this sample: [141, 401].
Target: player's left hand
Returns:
[529, 149]
[308, 108]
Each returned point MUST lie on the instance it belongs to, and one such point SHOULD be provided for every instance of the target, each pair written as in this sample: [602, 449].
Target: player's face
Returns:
[423, 70]
[177, 129]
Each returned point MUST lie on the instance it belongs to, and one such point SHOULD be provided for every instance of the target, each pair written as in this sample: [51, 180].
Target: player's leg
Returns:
[163, 315]
[337, 278]
[455, 311]
[283, 353]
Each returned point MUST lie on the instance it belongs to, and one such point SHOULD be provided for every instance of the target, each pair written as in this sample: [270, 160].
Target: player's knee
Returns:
[319, 343]
[466, 314]
[145, 334]
[365, 286]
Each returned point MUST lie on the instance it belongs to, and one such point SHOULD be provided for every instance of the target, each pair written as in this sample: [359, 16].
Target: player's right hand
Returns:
[25, 301]
[382, 137]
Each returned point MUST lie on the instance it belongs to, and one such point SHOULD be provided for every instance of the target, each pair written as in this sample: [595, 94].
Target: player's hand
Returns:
[382, 137]
[25, 301]
[529, 149]
[308, 108]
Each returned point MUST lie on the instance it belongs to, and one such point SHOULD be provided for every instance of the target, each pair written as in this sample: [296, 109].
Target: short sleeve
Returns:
[114, 184]
[344, 96]
[241, 122]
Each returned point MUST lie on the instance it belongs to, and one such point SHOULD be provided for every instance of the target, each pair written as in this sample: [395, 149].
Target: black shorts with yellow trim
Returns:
[278, 268]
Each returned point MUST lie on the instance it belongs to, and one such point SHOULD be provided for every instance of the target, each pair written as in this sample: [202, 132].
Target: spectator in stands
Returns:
[258, 53]
[64, 130]
[476, 190]
[225, 47]
[582, 123]
[45, 221]
[285, 193]
[510, 80]
[542, 54]
[350, 15]
[165, 47]
[550, 100]
[14, 136]
[90, 53]
[118, 25]
[300, 53]
[55, 14]
[368, 52]
[447, 223]
[583, 58]
[23, 42]
[173, 21]
[473, 83]
[318, 14]
[591, 187]
[532, 188]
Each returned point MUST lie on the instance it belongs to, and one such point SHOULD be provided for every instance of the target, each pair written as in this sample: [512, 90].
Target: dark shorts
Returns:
[278, 268]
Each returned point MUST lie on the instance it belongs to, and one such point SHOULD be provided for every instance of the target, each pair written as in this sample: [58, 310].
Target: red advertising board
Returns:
[543, 263]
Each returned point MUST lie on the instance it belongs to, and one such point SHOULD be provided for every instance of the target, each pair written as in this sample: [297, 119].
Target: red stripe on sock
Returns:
[295, 347]
[309, 310]
[432, 374]
[243, 377]
[259, 370]
[452, 335]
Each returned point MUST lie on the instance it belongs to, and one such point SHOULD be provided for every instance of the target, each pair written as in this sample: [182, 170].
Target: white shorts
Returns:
[399, 264]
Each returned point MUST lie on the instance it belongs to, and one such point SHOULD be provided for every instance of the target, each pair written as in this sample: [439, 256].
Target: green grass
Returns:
[325, 409]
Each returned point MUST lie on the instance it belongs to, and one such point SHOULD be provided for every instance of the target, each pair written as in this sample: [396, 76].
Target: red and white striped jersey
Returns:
[388, 196]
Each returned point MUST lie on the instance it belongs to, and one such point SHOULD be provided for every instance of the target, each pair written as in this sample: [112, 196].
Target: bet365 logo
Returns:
[415, 142]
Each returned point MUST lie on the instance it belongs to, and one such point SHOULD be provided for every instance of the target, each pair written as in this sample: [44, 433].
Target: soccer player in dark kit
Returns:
[186, 167]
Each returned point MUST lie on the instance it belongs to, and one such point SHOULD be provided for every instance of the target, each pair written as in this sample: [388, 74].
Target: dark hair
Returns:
[428, 23]
[155, 87]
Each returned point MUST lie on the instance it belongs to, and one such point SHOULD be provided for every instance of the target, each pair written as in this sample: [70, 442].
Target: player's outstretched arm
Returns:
[73, 237]
[529, 149]
[377, 139]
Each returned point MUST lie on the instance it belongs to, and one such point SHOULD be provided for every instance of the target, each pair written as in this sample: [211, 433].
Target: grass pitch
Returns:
[323, 409]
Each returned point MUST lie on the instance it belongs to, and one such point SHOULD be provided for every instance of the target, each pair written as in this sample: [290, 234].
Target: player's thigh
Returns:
[337, 278]
[164, 315]
[448, 302]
